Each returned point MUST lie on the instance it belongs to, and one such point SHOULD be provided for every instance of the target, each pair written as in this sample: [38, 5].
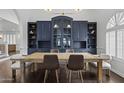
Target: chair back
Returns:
[69, 50]
[51, 61]
[76, 62]
[54, 51]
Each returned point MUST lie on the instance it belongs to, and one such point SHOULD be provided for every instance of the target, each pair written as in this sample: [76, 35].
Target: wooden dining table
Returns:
[38, 57]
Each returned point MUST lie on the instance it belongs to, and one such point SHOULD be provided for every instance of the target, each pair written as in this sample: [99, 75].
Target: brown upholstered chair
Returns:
[68, 51]
[54, 50]
[51, 62]
[75, 63]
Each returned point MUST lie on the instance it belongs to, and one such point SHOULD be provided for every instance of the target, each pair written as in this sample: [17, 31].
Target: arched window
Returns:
[115, 36]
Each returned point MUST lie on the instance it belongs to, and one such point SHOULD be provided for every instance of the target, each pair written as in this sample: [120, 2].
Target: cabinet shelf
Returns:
[32, 38]
[31, 28]
[91, 44]
[32, 35]
[92, 37]
[56, 34]
[67, 34]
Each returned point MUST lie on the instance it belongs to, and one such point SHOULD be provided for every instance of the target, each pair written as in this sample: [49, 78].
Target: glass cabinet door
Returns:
[62, 37]
[66, 33]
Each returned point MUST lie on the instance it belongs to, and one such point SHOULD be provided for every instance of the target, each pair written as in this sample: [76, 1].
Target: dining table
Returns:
[38, 57]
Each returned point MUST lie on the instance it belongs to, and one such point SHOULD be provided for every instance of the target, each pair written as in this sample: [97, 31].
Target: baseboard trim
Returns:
[4, 59]
[120, 74]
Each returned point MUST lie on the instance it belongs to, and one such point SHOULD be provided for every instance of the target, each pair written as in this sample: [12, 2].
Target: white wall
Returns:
[99, 16]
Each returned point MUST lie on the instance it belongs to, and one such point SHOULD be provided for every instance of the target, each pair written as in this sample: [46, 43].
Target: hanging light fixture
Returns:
[49, 10]
[77, 10]
[56, 26]
[68, 26]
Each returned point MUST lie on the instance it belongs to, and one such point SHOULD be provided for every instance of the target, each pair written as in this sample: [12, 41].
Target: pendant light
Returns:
[68, 26]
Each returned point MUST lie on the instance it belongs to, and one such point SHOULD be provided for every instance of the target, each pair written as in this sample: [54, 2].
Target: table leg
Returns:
[99, 71]
[35, 67]
[13, 73]
[22, 64]
[86, 66]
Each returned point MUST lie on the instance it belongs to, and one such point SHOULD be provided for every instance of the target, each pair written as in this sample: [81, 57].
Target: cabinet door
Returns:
[48, 29]
[44, 30]
[79, 29]
[75, 30]
[82, 30]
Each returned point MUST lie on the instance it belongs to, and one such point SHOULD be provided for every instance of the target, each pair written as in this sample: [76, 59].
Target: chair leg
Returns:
[108, 72]
[81, 75]
[70, 76]
[13, 74]
[46, 72]
[32, 67]
[29, 69]
[57, 77]
[85, 66]
[67, 73]
[35, 67]
[78, 74]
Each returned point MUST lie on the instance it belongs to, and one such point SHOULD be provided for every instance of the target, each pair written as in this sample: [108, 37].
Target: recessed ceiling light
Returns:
[77, 10]
[48, 10]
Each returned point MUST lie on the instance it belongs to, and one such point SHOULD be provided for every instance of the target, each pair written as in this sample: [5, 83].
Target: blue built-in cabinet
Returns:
[92, 37]
[44, 36]
[62, 32]
[79, 30]
[44, 30]
[79, 33]
[32, 37]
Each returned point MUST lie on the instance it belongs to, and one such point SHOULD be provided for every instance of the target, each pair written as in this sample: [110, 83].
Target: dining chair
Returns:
[75, 63]
[54, 50]
[51, 62]
[68, 51]
[72, 51]
[105, 64]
